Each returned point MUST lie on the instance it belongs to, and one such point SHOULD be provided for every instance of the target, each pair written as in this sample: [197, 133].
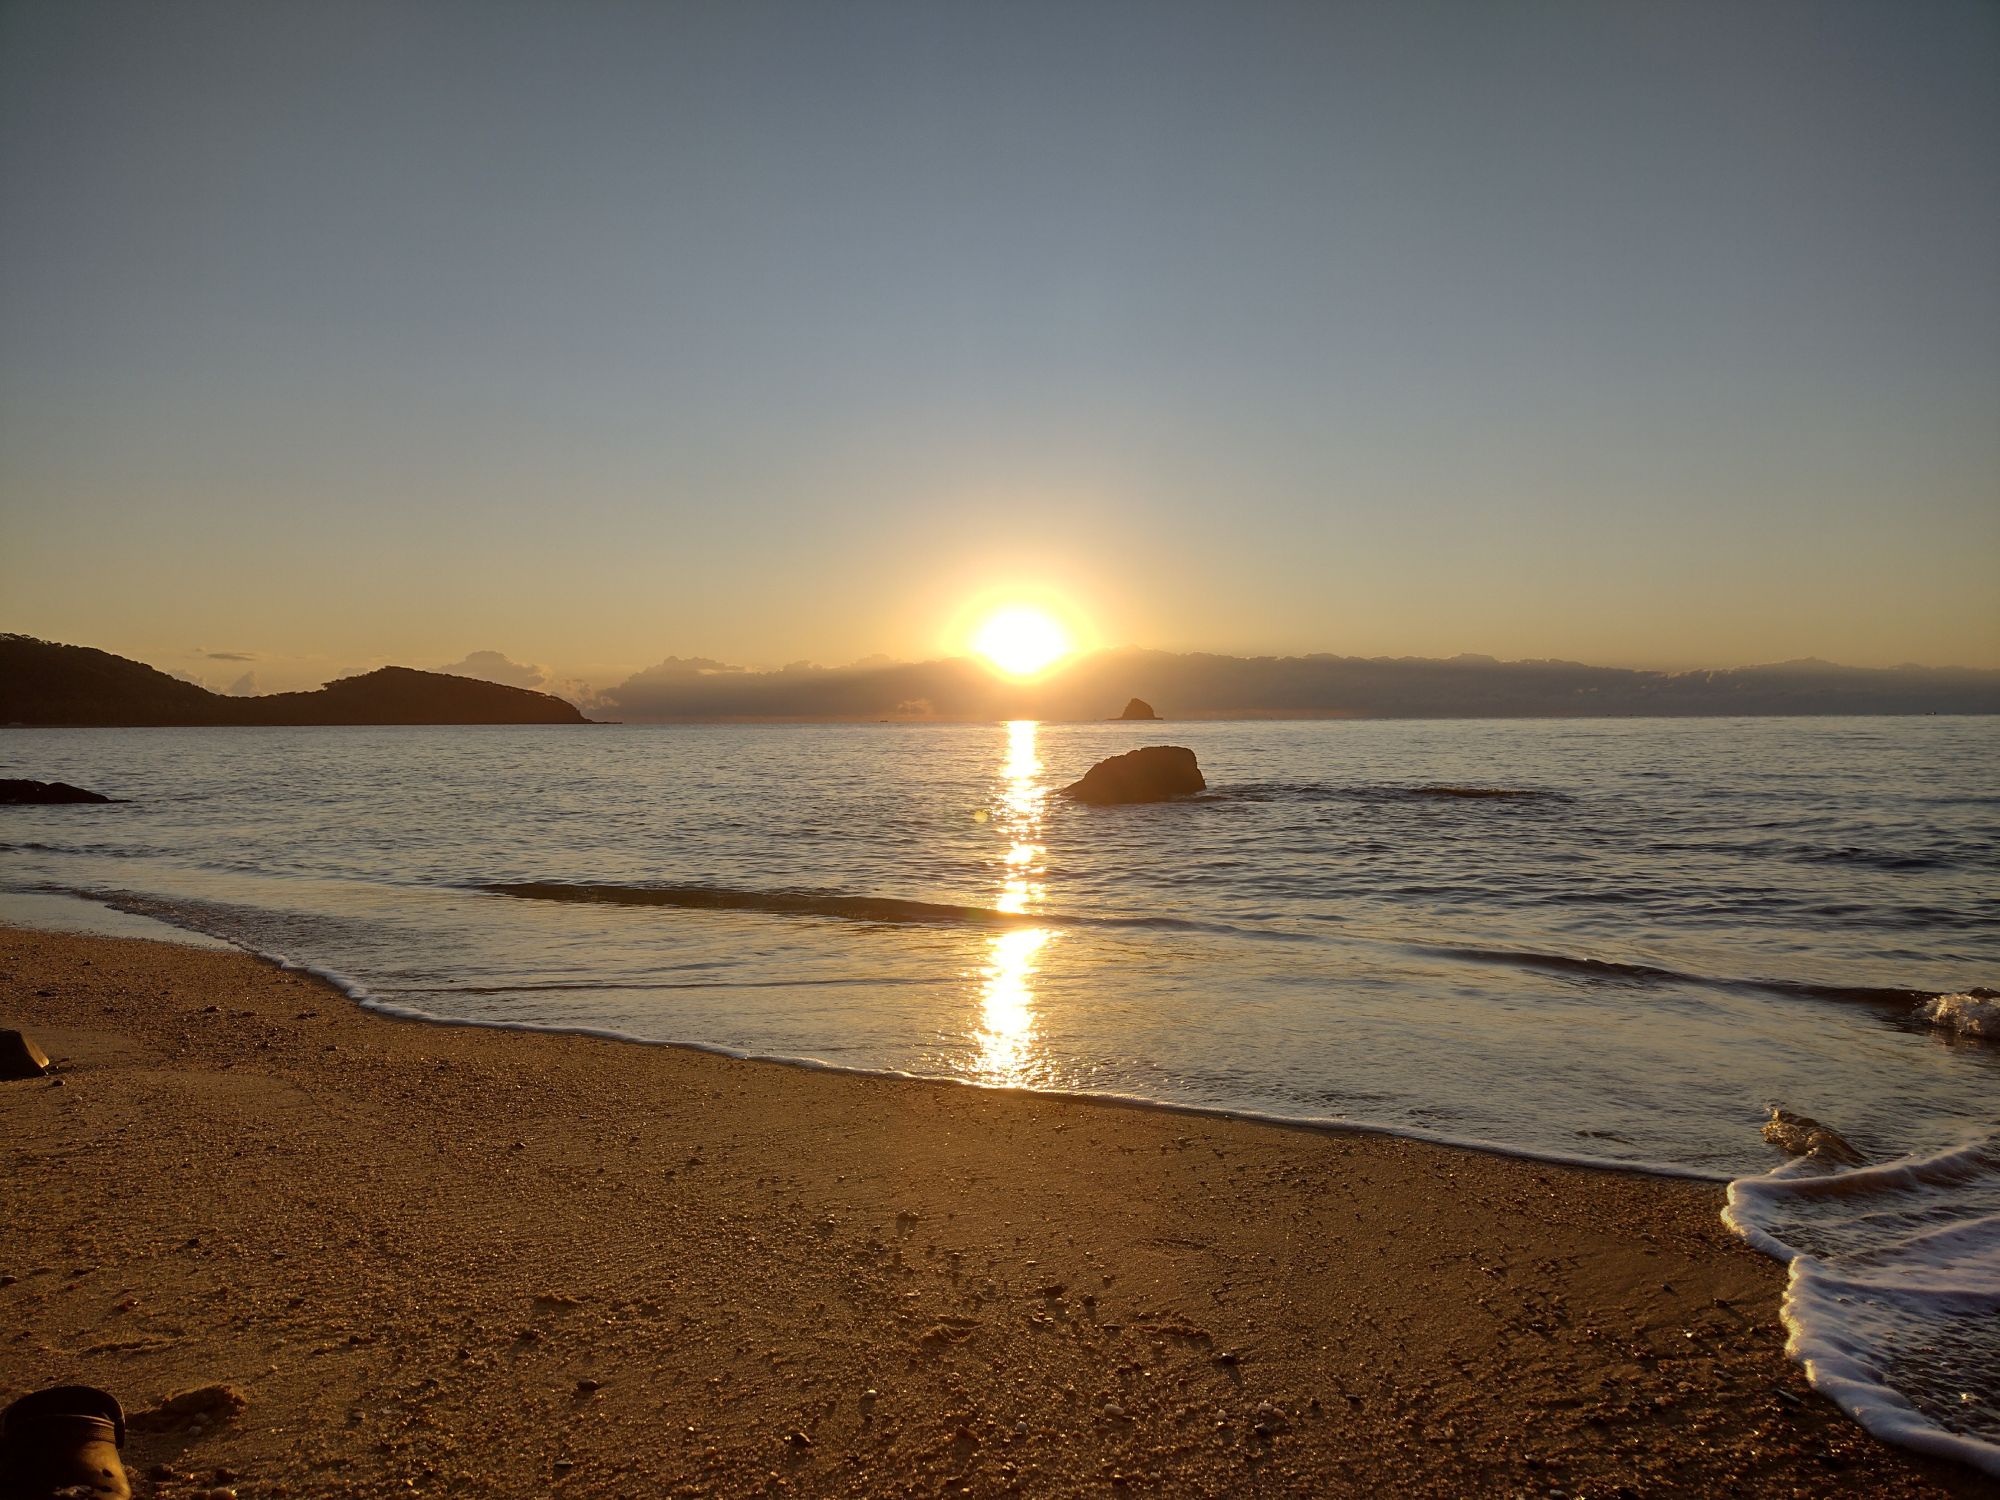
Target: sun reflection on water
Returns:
[1007, 1033]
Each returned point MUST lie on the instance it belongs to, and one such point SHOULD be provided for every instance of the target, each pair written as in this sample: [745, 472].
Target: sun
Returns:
[1021, 641]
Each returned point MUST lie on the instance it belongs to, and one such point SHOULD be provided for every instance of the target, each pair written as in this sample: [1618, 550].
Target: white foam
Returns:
[1893, 1305]
[1967, 1015]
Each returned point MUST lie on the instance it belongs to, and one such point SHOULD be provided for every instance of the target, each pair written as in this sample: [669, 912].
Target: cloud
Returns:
[576, 691]
[493, 666]
[243, 687]
[676, 667]
[228, 655]
[700, 688]
[496, 666]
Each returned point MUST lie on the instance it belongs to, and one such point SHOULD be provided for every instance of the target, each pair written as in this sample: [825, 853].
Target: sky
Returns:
[596, 333]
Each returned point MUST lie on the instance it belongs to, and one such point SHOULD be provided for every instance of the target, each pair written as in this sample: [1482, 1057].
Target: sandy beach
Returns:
[447, 1260]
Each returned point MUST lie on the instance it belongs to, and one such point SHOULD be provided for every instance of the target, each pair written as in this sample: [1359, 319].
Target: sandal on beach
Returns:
[20, 1057]
[63, 1441]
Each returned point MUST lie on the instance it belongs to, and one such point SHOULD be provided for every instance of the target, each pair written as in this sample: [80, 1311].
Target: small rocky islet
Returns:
[1154, 773]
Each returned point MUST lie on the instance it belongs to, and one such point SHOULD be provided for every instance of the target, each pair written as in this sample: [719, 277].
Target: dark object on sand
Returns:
[15, 792]
[20, 1057]
[1154, 774]
[63, 1441]
[1801, 1135]
[1138, 708]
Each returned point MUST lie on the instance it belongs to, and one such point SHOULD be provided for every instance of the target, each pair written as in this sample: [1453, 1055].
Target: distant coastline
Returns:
[1200, 685]
[45, 684]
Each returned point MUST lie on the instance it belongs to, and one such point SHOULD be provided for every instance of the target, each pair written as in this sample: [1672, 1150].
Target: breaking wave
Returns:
[1966, 1012]
[1975, 1013]
[1894, 1290]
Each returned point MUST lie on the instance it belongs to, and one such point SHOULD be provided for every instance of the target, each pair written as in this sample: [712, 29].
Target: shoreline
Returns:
[359, 994]
[429, 1252]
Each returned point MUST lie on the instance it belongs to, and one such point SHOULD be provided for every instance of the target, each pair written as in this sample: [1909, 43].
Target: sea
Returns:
[1616, 942]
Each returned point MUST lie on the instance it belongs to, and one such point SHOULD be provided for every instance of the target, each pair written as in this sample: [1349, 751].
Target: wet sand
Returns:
[442, 1260]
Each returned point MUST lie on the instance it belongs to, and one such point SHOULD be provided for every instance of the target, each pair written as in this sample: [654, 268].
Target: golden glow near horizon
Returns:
[1022, 641]
[1006, 1034]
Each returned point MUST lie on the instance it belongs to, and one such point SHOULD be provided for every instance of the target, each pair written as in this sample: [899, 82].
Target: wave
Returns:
[1560, 963]
[1325, 791]
[893, 910]
[1876, 859]
[102, 851]
[1470, 793]
[1975, 1013]
[1894, 1290]
[595, 986]
[776, 902]
[1886, 996]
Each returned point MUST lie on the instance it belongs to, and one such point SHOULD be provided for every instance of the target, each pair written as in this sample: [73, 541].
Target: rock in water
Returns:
[1154, 774]
[20, 1057]
[1975, 1013]
[1138, 708]
[20, 792]
[1801, 1135]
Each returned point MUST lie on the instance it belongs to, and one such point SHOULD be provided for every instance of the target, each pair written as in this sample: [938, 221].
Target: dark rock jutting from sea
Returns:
[1156, 773]
[19, 793]
[1138, 708]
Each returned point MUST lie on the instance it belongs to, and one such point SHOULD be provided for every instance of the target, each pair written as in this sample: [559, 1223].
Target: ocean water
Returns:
[1620, 941]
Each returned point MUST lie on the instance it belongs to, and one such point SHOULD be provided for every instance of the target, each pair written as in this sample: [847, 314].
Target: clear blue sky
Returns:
[1654, 334]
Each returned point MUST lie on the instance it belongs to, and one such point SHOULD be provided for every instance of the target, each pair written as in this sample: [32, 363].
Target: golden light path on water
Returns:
[1007, 996]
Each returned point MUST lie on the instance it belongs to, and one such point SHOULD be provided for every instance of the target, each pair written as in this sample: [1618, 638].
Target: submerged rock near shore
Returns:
[1801, 1135]
[18, 793]
[1156, 773]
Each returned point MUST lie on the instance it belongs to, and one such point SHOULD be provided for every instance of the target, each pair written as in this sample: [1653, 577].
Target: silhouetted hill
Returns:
[403, 695]
[1199, 685]
[45, 683]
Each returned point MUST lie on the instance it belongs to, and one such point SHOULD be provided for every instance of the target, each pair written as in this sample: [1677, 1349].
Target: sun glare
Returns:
[1021, 641]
